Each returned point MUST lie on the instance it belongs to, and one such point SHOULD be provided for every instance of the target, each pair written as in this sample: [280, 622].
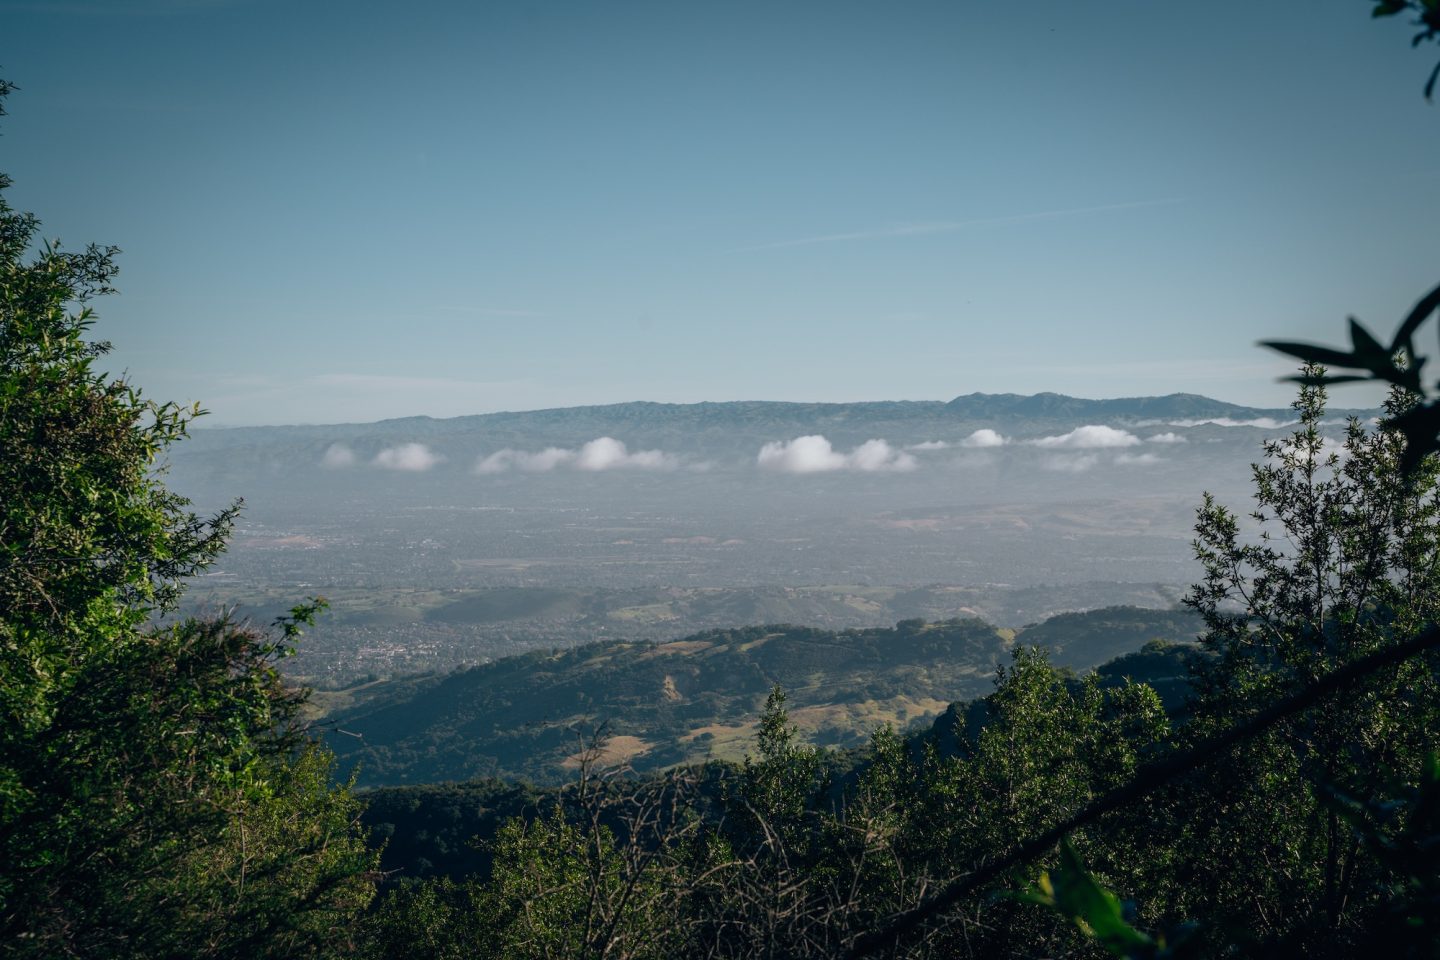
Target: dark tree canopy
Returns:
[157, 794]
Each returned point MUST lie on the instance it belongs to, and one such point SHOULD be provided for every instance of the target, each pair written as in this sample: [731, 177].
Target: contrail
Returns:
[947, 226]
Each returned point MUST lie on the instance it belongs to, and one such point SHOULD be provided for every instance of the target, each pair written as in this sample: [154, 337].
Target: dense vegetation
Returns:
[445, 828]
[1086, 639]
[660, 704]
[157, 796]
[698, 698]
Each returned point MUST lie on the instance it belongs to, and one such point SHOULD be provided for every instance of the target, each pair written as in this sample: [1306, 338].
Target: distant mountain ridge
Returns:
[1188, 406]
[643, 413]
[730, 431]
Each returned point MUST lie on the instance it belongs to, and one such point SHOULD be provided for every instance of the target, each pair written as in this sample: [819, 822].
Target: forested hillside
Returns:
[661, 704]
[447, 829]
[691, 699]
[1089, 638]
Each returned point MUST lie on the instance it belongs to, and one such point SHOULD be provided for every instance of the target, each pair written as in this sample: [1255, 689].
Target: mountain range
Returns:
[710, 434]
[981, 409]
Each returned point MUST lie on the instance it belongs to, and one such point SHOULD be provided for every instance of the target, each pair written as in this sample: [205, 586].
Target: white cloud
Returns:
[874, 455]
[546, 460]
[811, 454]
[1089, 437]
[607, 453]
[1264, 423]
[507, 459]
[929, 445]
[497, 462]
[414, 457]
[814, 454]
[602, 453]
[338, 456]
[1070, 462]
[1137, 459]
[1166, 438]
[982, 438]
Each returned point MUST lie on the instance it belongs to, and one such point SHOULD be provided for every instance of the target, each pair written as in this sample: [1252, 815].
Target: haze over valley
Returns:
[449, 542]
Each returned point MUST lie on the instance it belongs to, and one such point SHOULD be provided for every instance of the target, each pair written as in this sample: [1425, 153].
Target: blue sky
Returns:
[353, 210]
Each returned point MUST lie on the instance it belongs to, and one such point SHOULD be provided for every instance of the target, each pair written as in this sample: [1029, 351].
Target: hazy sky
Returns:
[353, 210]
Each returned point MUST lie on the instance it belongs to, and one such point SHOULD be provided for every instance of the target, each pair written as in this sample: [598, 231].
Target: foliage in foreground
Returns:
[158, 797]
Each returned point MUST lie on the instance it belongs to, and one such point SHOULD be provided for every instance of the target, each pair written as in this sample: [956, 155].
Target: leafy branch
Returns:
[1398, 364]
[1427, 18]
[1073, 892]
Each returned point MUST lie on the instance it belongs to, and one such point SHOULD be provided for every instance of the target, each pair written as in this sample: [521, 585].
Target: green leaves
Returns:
[1427, 17]
[1403, 833]
[291, 625]
[776, 787]
[1073, 892]
[1405, 336]
[1398, 364]
[157, 798]
[1391, 364]
[1367, 348]
[1312, 353]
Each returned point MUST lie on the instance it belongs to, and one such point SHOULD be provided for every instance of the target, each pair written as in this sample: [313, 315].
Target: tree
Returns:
[1340, 559]
[1049, 744]
[158, 796]
[776, 786]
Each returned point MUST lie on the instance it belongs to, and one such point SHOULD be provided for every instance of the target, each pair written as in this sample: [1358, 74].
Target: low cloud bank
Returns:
[982, 439]
[600, 454]
[508, 459]
[814, 454]
[1089, 437]
[411, 457]
[337, 457]
[1264, 423]
[1071, 452]
[607, 453]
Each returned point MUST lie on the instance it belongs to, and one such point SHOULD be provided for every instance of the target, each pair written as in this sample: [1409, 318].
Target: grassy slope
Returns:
[686, 700]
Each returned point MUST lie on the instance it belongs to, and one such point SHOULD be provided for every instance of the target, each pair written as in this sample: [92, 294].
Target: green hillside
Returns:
[430, 829]
[660, 704]
[687, 700]
[1082, 640]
